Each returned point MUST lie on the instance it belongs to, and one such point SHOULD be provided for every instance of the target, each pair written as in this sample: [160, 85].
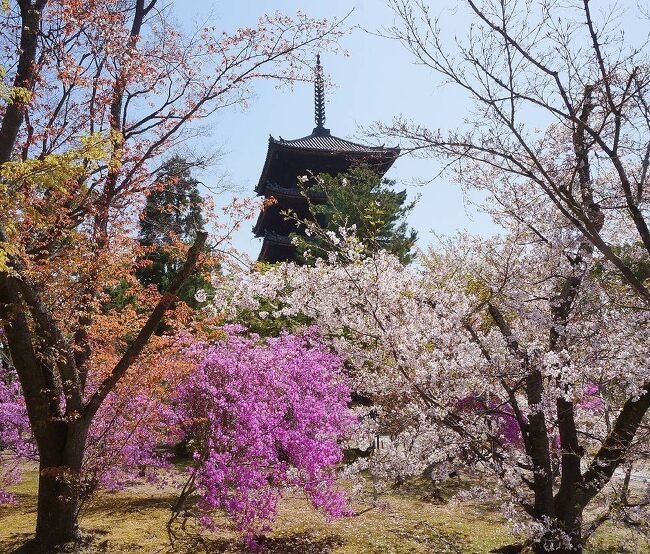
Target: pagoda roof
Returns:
[319, 145]
[322, 141]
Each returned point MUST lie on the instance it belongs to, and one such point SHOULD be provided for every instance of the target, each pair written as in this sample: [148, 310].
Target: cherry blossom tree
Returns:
[97, 93]
[519, 356]
[561, 98]
[559, 132]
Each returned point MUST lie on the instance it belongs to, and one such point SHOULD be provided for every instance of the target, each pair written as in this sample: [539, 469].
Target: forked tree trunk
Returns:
[59, 486]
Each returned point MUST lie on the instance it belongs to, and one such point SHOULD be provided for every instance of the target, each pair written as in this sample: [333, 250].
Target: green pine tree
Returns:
[363, 199]
[173, 213]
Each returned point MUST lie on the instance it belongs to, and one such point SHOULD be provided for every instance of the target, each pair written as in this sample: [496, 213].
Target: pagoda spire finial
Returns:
[319, 99]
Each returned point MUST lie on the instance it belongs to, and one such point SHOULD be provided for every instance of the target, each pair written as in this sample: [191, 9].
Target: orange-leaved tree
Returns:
[95, 93]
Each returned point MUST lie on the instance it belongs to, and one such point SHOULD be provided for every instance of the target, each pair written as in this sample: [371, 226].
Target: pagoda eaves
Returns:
[323, 145]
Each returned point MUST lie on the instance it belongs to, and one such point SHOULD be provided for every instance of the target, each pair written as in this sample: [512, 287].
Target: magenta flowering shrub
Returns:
[261, 416]
[15, 446]
[13, 416]
[265, 415]
[126, 441]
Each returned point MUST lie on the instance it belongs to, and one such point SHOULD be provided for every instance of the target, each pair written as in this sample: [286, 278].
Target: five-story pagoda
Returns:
[288, 161]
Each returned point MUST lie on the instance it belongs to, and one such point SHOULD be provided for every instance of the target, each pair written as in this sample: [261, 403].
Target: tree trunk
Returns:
[569, 512]
[59, 485]
[552, 542]
[57, 507]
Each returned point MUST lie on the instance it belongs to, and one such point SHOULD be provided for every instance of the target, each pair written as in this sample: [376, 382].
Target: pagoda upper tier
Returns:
[289, 161]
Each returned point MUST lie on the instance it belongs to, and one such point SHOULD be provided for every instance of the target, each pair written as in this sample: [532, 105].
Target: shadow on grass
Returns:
[116, 503]
[19, 543]
[299, 543]
[441, 492]
[24, 543]
[293, 543]
[432, 538]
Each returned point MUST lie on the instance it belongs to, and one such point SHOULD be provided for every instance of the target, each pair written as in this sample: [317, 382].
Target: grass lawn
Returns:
[134, 521]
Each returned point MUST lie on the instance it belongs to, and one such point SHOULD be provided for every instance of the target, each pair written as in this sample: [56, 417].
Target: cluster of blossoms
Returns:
[264, 416]
[130, 440]
[14, 427]
[123, 444]
[445, 351]
[260, 416]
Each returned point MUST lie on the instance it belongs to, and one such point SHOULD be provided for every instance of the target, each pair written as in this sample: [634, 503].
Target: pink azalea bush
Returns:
[261, 417]
[130, 440]
[123, 445]
[265, 415]
[15, 445]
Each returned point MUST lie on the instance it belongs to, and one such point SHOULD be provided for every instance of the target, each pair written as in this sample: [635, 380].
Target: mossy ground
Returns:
[135, 521]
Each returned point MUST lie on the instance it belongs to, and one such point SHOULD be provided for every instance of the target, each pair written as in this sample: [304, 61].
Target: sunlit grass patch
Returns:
[414, 521]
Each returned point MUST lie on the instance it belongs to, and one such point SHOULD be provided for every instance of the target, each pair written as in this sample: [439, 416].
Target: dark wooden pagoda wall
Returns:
[276, 222]
[285, 167]
[285, 170]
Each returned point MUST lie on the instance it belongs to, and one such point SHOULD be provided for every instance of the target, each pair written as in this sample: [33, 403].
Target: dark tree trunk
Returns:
[551, 544]
[57, 508]
[59, 485]
[14, 113]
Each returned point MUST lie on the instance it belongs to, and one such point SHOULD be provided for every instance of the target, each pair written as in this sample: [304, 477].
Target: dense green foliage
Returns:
[362, 199]
[173, 214]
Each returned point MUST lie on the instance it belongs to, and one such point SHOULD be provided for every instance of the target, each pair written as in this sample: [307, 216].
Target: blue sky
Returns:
[377, 81]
